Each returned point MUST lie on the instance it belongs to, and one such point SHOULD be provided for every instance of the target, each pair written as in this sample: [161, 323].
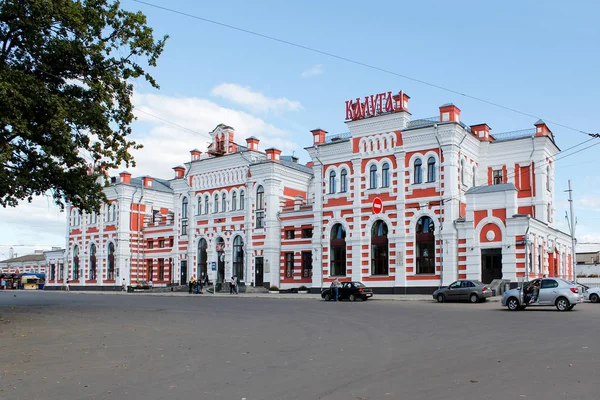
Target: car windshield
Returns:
[358, 284]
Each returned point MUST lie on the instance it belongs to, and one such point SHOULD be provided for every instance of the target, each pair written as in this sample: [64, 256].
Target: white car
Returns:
[592, 294]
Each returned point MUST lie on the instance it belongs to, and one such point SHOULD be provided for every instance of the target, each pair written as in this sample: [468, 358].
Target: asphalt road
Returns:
[73, 346]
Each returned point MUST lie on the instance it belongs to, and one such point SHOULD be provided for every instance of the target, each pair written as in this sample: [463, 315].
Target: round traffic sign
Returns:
[377, 205]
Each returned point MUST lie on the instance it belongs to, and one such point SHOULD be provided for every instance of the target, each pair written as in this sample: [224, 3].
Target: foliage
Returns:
[65, 92]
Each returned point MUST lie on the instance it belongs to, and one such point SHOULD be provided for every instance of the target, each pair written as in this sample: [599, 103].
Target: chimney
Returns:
[482, 131]
[252, 143]
[401, 101]
[449, 113]
[195, 154]
[147, 181]
[125, 177]
[273, 154]
[319, 136]
[541, 129]
[179, 171]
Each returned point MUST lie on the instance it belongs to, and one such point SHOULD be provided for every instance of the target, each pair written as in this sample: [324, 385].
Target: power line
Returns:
[172, 123]
[352, 61]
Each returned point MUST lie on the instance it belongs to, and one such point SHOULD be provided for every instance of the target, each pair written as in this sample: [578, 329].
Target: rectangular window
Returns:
[184, 227]
[498, 178]
[150, 244]
[161, 243]
[52, 272]
[290, 234]
[171, 241]
[307, 264]
[150, 271]
[161, 269]
[260, 219]
[307, 233]
[338, 261]
[289, 265]
[425, 258]
[60, 272]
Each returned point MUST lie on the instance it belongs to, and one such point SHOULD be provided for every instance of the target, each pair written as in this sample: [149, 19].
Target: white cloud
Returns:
[313, 71]
[592, 202]
[167, 145]
[255, 101]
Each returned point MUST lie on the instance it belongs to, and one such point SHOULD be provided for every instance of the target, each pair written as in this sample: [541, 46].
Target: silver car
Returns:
[473, 291]
[544, 292]
[592, 294]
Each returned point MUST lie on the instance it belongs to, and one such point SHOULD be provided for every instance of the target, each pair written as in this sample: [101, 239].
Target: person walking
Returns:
[67, 286]
[3, 283]
[124, 285]
[336, 288]
[235, 284]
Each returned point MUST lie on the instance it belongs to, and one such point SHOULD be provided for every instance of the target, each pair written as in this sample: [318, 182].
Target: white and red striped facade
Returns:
[457, 202]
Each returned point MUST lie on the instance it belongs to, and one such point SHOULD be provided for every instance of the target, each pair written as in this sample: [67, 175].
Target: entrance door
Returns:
[221, 266]
[259, 268]
[183, 278]
[491, 265]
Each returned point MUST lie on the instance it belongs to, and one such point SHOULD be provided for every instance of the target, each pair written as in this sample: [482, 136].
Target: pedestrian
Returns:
[336, 287]
[206, 281]
[232, 285]
[3, 283]
[198, 286]
[235, 284]
[67, 286]
[191, 283]
[124, 286]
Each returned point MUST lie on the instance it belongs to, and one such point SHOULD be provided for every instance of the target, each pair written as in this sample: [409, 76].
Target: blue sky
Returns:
[540, 58]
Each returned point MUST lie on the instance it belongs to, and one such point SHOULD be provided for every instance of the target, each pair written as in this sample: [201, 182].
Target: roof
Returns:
[27, 258]
[491, 188]
[159, 185]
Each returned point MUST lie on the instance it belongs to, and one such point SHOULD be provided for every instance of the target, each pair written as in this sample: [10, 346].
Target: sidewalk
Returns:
[376, 297]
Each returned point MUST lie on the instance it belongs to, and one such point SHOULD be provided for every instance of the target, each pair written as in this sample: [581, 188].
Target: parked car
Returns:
[350, 291]
[592, 294]
[463, 290]
[564, 295]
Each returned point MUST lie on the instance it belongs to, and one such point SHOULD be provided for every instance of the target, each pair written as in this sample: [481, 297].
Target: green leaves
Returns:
[65, 95]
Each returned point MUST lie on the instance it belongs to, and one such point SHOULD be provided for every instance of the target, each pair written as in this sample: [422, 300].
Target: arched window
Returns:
[234, 201]
[474, 176]
[184, 208]
[76, 263]
[548, 178]
[93, 262]
[206, 206]
[110, 274]
[224, 202]
[379, 249]
[202, 258]
[216, 204]
[463, 172]
[344, 181]
[199, 211]
[338, 251]
[242, 200]
[373, 176]
[332, 182]
[418, 173]
[238, 258]
[431, 169]
[385, 175]
[425, 246]
[260, 206]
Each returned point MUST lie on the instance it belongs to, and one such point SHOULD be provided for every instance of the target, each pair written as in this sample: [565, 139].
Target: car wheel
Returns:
[474, 298]
[562, 304]
[594, 298]
[441, 298]
[365, 298]
[352, 297]
[327, 297]
[513, 304]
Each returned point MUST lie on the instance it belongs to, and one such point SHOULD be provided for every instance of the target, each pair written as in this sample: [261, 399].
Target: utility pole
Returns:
[572, 228]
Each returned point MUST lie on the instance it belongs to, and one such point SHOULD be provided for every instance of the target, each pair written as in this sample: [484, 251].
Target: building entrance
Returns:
[259, 268]
[491, 265]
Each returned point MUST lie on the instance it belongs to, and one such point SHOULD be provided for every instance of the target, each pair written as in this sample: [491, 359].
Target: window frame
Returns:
[417, 171]
[290, 234]
[338, 251]
[425, 239]
[380, 265]
[385, 175]
[289, 264]
[343, 180]
[234, 201]
[332, 181]
[373, 176]
[307, 266]
[497, 177]
[431, 169]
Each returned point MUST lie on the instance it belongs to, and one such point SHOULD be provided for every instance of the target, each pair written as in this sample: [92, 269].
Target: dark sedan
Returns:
[350, 291]
[463, 290]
